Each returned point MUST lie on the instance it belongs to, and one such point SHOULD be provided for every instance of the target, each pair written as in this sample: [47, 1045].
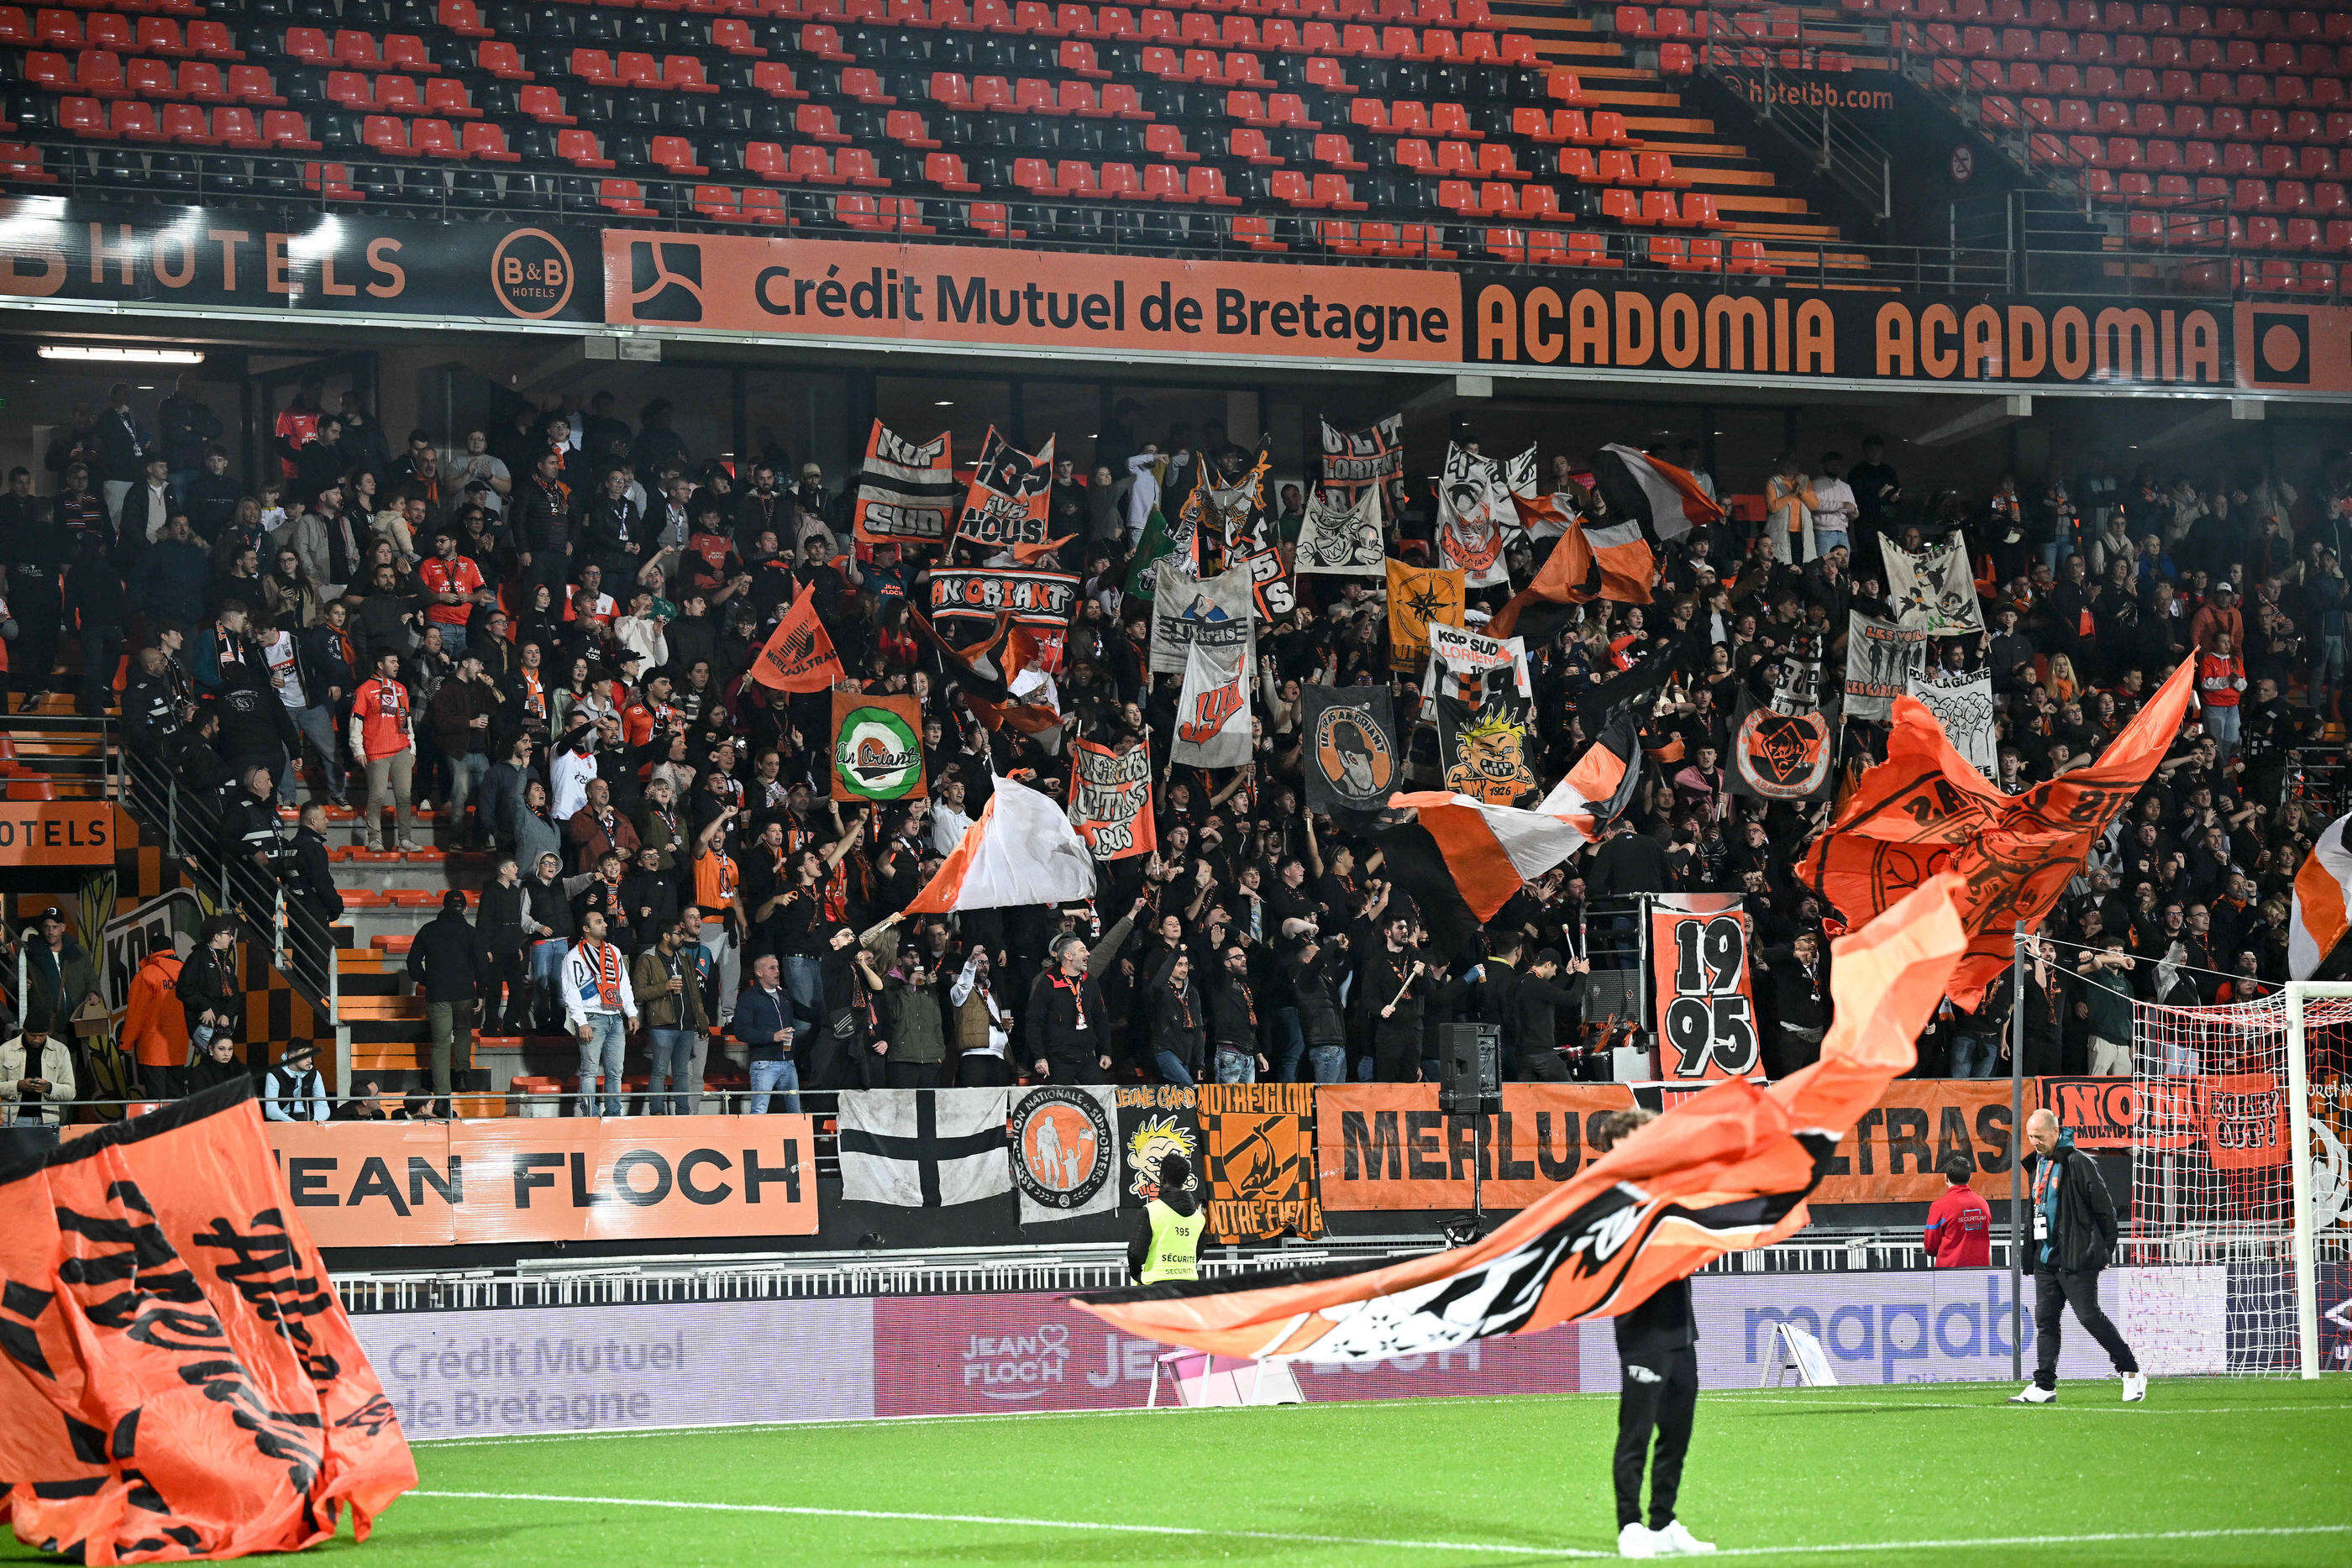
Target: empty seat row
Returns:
[2124, 16]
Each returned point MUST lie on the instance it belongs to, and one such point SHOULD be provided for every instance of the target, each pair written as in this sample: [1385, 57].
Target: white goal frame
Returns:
[2305, 1240]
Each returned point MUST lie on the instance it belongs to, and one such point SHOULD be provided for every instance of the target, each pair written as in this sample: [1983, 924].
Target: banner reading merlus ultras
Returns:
[1029, 299]
[420, 1184]
[1387, 1146]
[354, 261]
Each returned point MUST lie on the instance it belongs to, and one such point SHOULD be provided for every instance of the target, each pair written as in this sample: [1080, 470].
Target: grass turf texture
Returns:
[2209, 1473]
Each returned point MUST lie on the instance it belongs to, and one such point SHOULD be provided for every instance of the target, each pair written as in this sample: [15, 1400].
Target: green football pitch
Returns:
[2205, 1472]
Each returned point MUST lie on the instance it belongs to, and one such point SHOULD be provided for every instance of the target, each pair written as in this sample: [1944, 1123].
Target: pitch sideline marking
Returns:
[1017, 1522]
[1738, 1395]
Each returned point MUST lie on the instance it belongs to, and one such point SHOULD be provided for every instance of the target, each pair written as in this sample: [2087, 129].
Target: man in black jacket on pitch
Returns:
[1657, 1354]
[2073, 1237]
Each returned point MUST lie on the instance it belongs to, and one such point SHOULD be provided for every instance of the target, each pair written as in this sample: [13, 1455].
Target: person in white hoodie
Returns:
[601, 1008]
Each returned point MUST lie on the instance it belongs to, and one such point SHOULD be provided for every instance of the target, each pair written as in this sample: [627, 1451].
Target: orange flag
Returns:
[1726, 1170]
[1925, 810]
[799, 656]
[177, 1377]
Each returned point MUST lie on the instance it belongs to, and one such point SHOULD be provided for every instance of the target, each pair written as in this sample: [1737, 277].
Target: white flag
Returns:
[1021, 850]
[1213, 712]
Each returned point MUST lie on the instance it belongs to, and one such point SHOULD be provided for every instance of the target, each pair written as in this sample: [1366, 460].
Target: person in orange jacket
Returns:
[155, 1031]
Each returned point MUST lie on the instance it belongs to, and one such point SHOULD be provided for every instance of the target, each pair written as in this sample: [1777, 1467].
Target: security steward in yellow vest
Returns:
[1167, 1243]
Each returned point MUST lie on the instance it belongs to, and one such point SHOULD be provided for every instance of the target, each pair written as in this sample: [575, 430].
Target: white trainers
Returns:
[1636, 1541]
[2135, 1387]
[2034, 1393]
[408, 845]
[1676, 1538]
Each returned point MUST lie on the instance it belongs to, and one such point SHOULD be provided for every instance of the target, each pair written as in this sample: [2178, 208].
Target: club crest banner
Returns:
[1358, 460]
[1483, 752]
[1338, 538]
[1474, 516]
[1004, 508]
[1419, 597]
[1782, 750]
[1933, 591]
[1260, 1143]
[1962, 704]
[1881, 659]
[1210, 613]
[1351, 759]
[907, 494]
[1063, 1142]
[877, 747]
[1110, 799]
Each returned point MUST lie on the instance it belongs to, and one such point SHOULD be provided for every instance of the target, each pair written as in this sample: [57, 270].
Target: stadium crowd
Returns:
[545, 636]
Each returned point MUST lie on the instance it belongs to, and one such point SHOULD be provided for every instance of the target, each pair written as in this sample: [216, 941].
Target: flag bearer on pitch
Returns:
[1657, 1353]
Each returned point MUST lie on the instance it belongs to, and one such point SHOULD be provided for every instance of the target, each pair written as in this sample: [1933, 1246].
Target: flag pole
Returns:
[2017, 1230]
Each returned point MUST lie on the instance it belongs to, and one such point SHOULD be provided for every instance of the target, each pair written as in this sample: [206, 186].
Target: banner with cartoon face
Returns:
[1350, 759]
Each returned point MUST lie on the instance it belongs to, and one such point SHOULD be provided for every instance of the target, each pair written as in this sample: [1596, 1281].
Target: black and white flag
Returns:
[923, 1148]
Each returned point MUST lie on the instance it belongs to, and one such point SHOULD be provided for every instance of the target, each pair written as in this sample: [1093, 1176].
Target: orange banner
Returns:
[1386, 1145]
[418, 1183]
[57, 832]
[855, 290]
[1706, 1003]
[177, 1378]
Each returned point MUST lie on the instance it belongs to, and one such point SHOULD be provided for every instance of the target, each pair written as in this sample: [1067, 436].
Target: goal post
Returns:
[2300, 994]
[2235, 1126]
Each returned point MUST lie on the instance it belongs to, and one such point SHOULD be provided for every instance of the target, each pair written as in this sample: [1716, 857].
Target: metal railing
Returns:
[187, 824]
[1824, 137]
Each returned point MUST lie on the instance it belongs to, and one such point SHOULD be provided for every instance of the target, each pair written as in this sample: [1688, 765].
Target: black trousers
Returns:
[1396, 1056]
[1660, 1393]
[979, 1069]
[2056, 1290]
[33, 657]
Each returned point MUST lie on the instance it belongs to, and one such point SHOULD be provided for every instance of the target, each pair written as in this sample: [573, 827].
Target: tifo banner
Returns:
[177, 1377]
[1214, 613]
[2242, 1118]
[1212, 716]
[1110, 799]
[1351, 759]
[1476, 669]
[1155, 1120]
[1043, 603]
[1483, 754]
[877, 747]
[1702, 995]
[1963, 705]
[59, 832]
[1030, 300]
[439, 1183]
[1260, 1140]
[1386, 1145]
[1473, 509]
[1006, 507]
[2116, 1113]
[1882, 660]
[1343, 537]
[1419, 597]
[907, 494]
[799, 655]
[1065, 1145]
[1934, 591]
[1358, 460]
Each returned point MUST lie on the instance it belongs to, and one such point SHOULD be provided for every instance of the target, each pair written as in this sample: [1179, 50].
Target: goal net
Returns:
[2211, 1273]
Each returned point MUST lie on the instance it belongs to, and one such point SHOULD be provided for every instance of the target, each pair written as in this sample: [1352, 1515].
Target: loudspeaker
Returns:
[1470, 1081]
[1613, 994]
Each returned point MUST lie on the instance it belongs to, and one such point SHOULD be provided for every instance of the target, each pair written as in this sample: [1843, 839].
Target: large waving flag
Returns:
[2322, 889]
[1021, 850]
[177, 1377]
[1726, 1170]
[1462, 859]
[990, 674]
[1924, 809]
